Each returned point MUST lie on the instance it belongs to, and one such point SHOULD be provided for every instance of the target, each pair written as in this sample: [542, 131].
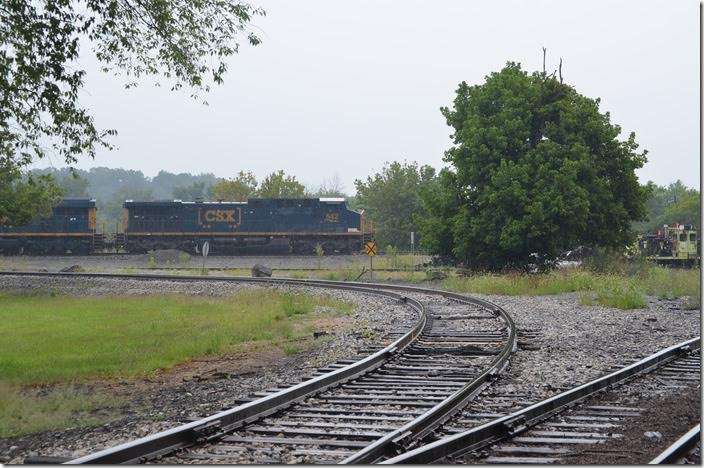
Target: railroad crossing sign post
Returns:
[371, 249]
[205, 249]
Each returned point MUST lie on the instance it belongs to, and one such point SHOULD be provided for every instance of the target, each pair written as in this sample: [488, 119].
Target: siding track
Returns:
[554, 429]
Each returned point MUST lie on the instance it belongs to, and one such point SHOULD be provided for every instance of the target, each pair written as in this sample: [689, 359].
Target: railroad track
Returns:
[572, 423]
[685, 450]
[354, 412]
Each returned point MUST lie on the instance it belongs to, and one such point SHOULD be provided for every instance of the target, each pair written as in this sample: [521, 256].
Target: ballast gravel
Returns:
[562, 344]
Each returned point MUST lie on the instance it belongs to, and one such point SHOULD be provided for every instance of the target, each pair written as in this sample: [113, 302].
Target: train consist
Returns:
[674, 244]
[70, 228]
[300, 223]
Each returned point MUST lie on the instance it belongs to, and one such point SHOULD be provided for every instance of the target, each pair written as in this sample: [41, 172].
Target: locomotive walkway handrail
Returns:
[519, 421]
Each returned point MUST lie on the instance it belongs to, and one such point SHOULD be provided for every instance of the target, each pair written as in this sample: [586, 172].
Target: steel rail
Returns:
[680, 448]
[218, 424]
[402, 438]
[522, 420]
[388, 445]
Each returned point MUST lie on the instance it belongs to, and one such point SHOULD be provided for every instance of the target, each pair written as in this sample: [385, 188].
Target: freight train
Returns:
[674, 244]
[302, 224]
[70, 228]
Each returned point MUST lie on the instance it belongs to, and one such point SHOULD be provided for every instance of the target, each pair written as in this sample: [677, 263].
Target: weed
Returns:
[619, 297]
[151, 262]
[183, 259]
[290, 348]
[622, 285]
[319, 252]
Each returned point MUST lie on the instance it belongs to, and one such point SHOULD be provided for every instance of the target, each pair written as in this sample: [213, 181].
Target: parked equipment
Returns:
[674, 244]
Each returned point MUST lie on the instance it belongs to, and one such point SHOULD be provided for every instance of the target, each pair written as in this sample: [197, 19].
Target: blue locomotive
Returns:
[299, 223]
[70, 228]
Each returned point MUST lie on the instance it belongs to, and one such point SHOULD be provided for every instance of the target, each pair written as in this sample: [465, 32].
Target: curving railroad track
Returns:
[413, 398]
[351, 412]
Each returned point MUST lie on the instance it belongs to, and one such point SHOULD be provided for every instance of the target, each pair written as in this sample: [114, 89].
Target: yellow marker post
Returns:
[370, 248]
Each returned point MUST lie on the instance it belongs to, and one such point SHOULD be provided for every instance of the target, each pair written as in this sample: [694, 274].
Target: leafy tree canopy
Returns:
[240, 188]
[391, 199]
[185, 41]
[24, 197]
[536, 169]
[197, 190]
[675, 203]
[279, 185]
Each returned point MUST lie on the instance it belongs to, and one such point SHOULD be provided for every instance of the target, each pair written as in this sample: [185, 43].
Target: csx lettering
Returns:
[220, 216]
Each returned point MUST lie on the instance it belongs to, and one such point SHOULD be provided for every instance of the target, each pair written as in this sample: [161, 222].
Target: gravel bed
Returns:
[572, 344]
[683, 410]
[563, 344]
[161, 403]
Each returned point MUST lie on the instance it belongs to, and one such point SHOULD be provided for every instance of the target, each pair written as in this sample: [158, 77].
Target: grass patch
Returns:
[619, 297]
[521, 284]
[50, 339]
[52, 343]
[622, 287]
[291, 348]
[25, 411]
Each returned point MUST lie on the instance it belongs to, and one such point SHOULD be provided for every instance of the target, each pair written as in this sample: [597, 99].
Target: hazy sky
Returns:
[342, 87]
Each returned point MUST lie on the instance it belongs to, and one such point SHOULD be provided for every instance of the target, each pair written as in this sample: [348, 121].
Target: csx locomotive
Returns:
[70, 228]
[300, 223]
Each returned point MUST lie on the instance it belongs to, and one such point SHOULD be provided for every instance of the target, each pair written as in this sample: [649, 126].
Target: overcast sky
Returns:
[342, 87]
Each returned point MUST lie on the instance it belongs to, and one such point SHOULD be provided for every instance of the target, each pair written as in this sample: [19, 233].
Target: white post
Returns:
[413, 250]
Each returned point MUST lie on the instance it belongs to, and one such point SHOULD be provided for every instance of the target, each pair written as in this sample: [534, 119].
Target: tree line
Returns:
[111, 187]
[534, 168]
[398, 199]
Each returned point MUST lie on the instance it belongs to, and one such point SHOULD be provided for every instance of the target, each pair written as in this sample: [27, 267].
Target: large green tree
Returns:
[279, 185]
[536, 169]
[392, 202]
[185, 41]
[240, 188]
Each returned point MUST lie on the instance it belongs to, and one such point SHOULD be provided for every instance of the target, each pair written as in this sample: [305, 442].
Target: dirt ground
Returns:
[683, 411]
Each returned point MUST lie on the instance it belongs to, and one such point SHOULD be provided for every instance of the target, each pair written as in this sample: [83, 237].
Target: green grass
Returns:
[50, 339]
[28, 410]
[52, 344]
[619, 296]
[624, 288]
[520, 284]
